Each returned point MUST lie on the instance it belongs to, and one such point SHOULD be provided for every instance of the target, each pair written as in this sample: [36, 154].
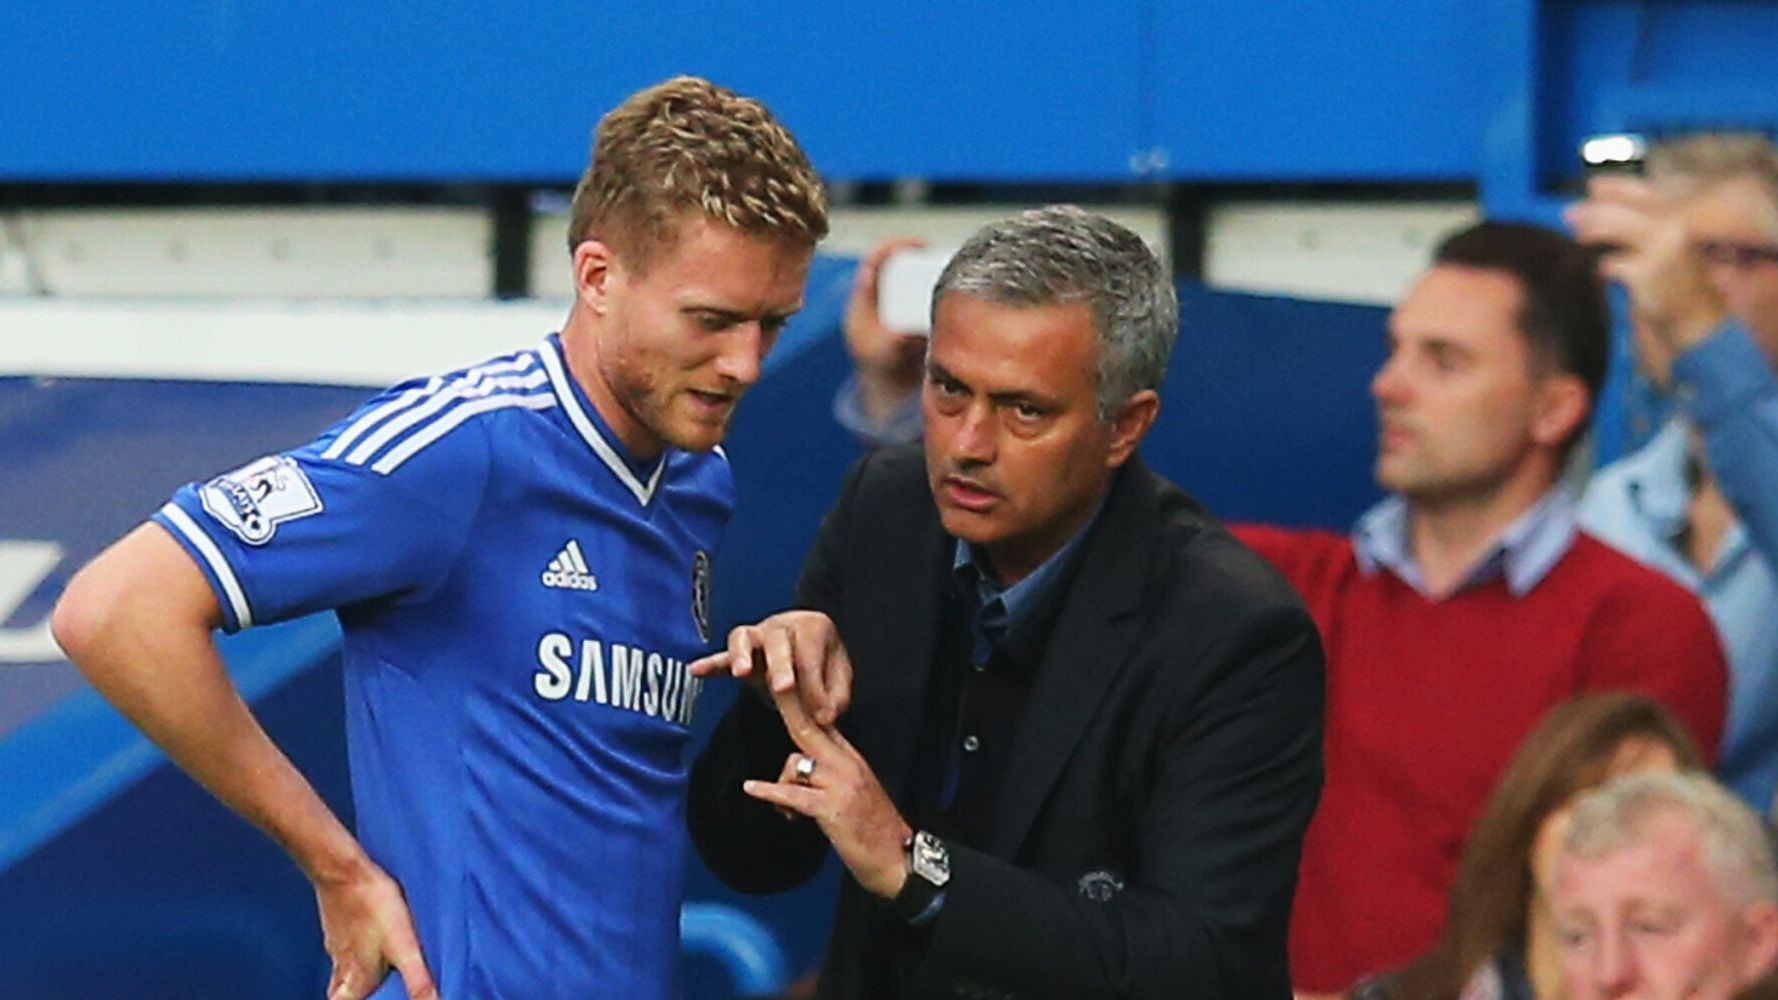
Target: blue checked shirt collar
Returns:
[998, 607]
[1523, 554]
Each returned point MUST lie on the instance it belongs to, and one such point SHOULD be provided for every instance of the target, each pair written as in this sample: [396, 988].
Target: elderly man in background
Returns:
[1665, 888]
[1695, 245]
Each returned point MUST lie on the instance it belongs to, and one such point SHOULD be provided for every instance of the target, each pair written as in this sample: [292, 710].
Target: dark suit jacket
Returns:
[1171, 743]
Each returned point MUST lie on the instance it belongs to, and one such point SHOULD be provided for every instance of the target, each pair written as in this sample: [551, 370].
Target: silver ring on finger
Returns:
[804, 769]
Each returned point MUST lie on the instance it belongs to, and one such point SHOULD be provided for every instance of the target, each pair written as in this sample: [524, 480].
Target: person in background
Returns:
[1467, 604]
[880, 402]
[1695, 245]
[1665, 888]
[1498, 943]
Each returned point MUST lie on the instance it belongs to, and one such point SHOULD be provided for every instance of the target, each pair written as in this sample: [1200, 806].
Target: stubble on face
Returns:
[687, 336]
[1455, 398]
[640, 389]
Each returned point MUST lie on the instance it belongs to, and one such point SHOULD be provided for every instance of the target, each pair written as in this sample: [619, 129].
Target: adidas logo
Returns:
[568, 570]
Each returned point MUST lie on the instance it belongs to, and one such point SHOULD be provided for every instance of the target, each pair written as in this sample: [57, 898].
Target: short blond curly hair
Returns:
[687, 146]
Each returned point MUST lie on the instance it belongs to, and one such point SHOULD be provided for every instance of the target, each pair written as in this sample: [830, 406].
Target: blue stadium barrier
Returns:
[1496, 92]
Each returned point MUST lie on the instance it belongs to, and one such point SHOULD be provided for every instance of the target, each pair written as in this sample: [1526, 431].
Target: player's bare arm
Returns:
[138, 621]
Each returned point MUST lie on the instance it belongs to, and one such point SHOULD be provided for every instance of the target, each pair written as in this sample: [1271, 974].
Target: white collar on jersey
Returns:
[589, 431]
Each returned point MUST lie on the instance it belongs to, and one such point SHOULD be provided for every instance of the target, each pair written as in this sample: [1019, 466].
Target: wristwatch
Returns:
[929, 871]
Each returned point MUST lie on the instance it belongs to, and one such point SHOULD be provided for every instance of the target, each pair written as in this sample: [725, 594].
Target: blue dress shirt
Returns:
[1725, 388]
[997, 606]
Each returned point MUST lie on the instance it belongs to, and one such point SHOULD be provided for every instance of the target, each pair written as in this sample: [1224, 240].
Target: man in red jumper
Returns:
[1467, 604]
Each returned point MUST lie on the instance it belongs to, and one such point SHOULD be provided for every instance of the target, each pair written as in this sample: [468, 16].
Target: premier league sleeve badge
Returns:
[254, 499]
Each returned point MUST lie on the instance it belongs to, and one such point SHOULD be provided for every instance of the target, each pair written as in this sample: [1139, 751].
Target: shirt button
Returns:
[971, 744]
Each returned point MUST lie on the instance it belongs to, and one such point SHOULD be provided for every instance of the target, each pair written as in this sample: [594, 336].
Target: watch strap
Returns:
[920, 897]
[918, 901]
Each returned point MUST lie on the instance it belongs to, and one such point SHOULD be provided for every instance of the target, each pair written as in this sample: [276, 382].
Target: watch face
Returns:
[929, 859]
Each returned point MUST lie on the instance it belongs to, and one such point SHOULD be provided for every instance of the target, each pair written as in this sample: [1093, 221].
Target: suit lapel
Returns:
[1091, 636]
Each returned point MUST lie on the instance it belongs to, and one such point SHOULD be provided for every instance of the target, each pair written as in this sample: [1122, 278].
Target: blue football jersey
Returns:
[519, 599]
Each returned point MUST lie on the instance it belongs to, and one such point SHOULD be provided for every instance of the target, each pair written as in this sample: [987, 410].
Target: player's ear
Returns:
[592, 273]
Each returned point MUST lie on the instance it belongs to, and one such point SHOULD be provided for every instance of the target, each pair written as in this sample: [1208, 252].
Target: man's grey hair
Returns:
[1687, 164]
[1737, 850]
[1062, 254]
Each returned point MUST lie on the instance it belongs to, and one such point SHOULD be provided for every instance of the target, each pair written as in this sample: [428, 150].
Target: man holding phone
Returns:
[1695, 245]
[880, 403]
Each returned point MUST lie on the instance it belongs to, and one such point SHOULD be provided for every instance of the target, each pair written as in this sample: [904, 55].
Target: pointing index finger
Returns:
[714, 663]
[740, 651]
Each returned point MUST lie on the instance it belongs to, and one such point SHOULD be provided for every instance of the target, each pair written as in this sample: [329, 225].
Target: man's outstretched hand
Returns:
[791, 652]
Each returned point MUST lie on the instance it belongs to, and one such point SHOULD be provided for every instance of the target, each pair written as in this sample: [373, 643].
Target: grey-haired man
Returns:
[1665, 888]
[1084, 739]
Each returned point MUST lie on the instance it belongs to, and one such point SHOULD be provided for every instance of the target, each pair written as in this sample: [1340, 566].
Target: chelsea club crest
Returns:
[700, 594]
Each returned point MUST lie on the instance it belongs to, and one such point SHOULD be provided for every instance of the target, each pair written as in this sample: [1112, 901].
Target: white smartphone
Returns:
[905, 284]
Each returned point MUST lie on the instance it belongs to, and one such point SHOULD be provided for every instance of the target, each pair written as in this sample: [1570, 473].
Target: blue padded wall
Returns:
[1267, 90]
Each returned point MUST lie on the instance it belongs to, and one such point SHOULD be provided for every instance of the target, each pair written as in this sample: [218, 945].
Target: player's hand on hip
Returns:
[367, 930]
[795, 652]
